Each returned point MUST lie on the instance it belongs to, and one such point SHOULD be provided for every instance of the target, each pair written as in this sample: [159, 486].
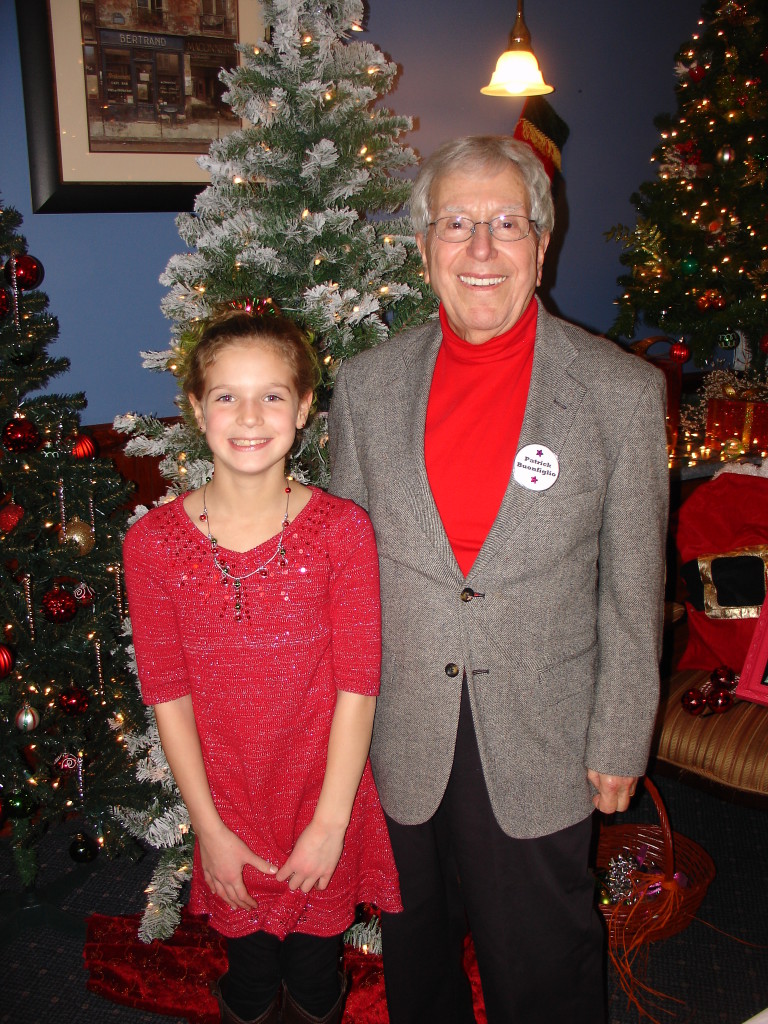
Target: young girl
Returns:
[255, 611]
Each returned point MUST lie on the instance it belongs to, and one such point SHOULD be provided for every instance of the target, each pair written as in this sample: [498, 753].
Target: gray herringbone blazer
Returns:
[561, 642]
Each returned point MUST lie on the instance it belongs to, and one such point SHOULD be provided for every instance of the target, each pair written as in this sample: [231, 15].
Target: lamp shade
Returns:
[517, 74]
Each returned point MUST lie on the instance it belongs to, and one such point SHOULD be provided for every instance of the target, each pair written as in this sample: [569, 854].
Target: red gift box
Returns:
[737, 420]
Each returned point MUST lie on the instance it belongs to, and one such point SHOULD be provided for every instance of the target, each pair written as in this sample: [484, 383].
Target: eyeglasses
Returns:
[511, 228]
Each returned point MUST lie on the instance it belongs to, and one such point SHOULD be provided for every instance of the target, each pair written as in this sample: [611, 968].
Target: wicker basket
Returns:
[634, 920]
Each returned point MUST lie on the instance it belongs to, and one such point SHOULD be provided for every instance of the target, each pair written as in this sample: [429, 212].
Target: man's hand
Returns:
[613, 791]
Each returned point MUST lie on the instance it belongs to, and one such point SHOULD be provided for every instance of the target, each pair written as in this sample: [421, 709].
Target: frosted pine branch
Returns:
[365, 936]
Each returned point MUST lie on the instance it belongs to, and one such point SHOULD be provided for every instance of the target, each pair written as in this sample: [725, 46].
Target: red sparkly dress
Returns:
[264, 691]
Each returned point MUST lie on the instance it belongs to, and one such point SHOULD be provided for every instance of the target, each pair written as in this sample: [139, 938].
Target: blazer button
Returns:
[467, 594]
[451, 670]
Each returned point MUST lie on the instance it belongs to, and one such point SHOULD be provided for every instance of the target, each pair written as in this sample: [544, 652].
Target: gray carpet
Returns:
[719, 980]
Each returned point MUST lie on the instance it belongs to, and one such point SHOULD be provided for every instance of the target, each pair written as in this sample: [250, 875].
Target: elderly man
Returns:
[514, 467]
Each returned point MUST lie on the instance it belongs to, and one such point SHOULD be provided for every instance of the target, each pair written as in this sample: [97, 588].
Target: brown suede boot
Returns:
[293, 1013]
[270, 1016]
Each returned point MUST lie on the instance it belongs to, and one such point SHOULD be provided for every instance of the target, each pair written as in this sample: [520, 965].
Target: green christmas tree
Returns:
[302, 214]
[697, 255]
[67, 692]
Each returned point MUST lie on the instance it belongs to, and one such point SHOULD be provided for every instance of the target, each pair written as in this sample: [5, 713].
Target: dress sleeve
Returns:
[355, 604]
[156, 637]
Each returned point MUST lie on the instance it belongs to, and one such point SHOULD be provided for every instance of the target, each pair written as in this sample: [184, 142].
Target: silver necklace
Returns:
[260, 570]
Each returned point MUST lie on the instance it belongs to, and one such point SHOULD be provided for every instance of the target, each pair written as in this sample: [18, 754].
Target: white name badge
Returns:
[536, 467]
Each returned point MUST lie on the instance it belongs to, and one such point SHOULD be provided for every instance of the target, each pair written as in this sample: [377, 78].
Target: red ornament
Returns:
[715, 226]
[20, 435]
[74, 700]
[84, 447]
[723, 676]
[29, 272]
[58, 605]
[711, 299]
[5, 303]
[719, 699]
[764, 344]
[6, 661]
[679, 352]
[689, 151]
[31, 755]
[66, 763]
[10, 516]
[696, 73]
[693, 701]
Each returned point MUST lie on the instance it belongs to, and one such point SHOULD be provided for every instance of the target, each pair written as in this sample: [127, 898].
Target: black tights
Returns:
[259, 963]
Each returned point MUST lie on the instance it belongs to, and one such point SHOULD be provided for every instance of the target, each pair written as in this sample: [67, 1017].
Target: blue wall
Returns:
[611, 62]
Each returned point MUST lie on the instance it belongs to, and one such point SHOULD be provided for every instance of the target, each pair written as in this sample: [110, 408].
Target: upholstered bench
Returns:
[727, 753]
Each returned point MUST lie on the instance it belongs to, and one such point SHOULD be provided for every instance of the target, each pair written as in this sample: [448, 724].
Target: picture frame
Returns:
[66, 174]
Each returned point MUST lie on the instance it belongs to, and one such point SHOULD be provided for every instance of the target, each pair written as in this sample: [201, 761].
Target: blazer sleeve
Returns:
[632, 544]
[346, 476]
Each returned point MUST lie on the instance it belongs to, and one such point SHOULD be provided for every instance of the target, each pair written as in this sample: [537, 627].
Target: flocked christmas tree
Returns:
[299, 211]
[66, 688]
[697, 255]
[301, 214]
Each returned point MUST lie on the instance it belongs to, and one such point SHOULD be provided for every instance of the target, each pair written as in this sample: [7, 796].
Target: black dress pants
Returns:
[528, 903]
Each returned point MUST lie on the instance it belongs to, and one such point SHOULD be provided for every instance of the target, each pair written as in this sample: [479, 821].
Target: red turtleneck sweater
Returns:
[475, 411]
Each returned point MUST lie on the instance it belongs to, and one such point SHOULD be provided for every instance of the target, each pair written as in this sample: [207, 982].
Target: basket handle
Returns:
[669, 849]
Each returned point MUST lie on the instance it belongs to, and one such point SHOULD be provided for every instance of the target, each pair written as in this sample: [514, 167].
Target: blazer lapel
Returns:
[409, 419]
[554, 396]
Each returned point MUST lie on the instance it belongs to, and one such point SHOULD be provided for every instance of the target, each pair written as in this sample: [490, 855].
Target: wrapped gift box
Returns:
[738, 420]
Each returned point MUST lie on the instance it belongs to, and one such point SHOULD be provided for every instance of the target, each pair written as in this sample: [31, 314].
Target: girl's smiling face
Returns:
[250, 409]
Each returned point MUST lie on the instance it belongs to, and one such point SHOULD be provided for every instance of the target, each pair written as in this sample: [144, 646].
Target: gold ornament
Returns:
[729, 391]
[80, 534]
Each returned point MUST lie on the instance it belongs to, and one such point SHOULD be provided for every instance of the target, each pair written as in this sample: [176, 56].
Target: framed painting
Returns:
[121, 96]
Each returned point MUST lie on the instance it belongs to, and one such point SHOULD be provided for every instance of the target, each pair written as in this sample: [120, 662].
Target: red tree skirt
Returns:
[173, 978]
